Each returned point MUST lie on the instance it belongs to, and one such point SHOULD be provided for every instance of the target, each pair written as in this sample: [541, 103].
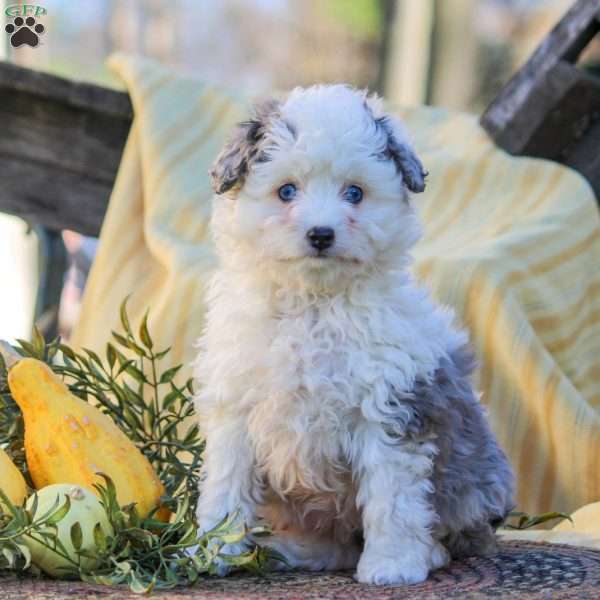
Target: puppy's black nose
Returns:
[320, 237]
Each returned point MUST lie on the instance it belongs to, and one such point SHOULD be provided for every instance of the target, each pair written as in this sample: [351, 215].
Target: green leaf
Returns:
[60, 513]
[67, 351]
[233, 538]
[120, 339]
[52, 350]
[132, 419]
[26, 553]
[191, 435]
[93, 356]
[170, 399]
[240, 560]
[124, 317]
[124, 567]
[162, 353]
[144, 335]
[10, 556]
[525, 521]
[136, 348]
[545, 517]
[124, 365]
[129, 343]
[29, 349]
[169, 374]
[34, 506]
[76, 536]
[136, 373]
[138, 586]
[111, 355]
[190, 537]
[133, 397]
[100, 539]
[108, 497]
[39, 343]
[182, 510]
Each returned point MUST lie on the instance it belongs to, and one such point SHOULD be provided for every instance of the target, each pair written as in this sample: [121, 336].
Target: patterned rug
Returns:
[523, 570]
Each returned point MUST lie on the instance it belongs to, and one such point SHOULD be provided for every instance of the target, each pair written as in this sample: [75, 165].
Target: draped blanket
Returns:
[512, 244]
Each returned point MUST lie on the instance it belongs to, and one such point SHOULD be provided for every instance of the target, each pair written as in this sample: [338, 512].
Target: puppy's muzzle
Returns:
[320, 238]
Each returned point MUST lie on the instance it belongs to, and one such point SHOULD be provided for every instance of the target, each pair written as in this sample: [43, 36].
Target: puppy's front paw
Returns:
[380, 570]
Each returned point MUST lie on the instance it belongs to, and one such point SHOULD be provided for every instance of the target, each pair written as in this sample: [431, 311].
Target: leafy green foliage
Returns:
[155, 411]
[145, 554]
[147, 404]
[17, 523]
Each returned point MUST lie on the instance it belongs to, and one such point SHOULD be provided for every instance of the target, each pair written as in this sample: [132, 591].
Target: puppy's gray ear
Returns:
[231, 166]
[399, 150]
[242, 149]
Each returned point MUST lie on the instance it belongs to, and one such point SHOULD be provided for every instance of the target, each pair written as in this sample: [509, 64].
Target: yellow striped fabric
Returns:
[512, 244]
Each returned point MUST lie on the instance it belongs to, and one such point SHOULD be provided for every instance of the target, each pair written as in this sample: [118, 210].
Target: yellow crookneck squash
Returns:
[11, 481]
[68, 440]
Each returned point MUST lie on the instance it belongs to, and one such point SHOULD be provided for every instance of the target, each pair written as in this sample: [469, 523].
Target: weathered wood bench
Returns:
[60, 146]
[551, 107]
[61, 141]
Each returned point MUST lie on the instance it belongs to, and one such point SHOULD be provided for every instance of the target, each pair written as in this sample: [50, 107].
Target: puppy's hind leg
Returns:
[475, 541]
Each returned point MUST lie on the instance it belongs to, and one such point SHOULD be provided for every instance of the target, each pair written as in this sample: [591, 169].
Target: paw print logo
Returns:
[24, 31]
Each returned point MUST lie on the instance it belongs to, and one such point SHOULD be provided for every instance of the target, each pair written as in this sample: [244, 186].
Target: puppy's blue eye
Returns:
[353, 194]
[287, 192]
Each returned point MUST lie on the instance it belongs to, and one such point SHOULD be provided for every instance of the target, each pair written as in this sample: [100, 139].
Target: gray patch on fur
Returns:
[243, 149]
[472, 477]
[405, 159]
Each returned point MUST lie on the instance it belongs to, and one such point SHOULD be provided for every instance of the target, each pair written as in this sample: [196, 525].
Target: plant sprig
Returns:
[522, 520]
[144, 554]
[155, 410]
[146, 402]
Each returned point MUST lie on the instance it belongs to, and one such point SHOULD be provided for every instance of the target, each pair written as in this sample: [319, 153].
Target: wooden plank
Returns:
[60, 146]
[571, 100]
[65, 91]
[551, 108]
[50, 196]
[503, 118]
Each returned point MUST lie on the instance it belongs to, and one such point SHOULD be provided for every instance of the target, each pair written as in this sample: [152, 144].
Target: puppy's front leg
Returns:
[394, 486]
[227, 484]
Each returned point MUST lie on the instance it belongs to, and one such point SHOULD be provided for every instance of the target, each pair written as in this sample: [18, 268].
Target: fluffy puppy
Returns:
[336, 397]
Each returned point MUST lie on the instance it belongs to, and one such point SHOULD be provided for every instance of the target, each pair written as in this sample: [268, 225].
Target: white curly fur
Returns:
[300, 352]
